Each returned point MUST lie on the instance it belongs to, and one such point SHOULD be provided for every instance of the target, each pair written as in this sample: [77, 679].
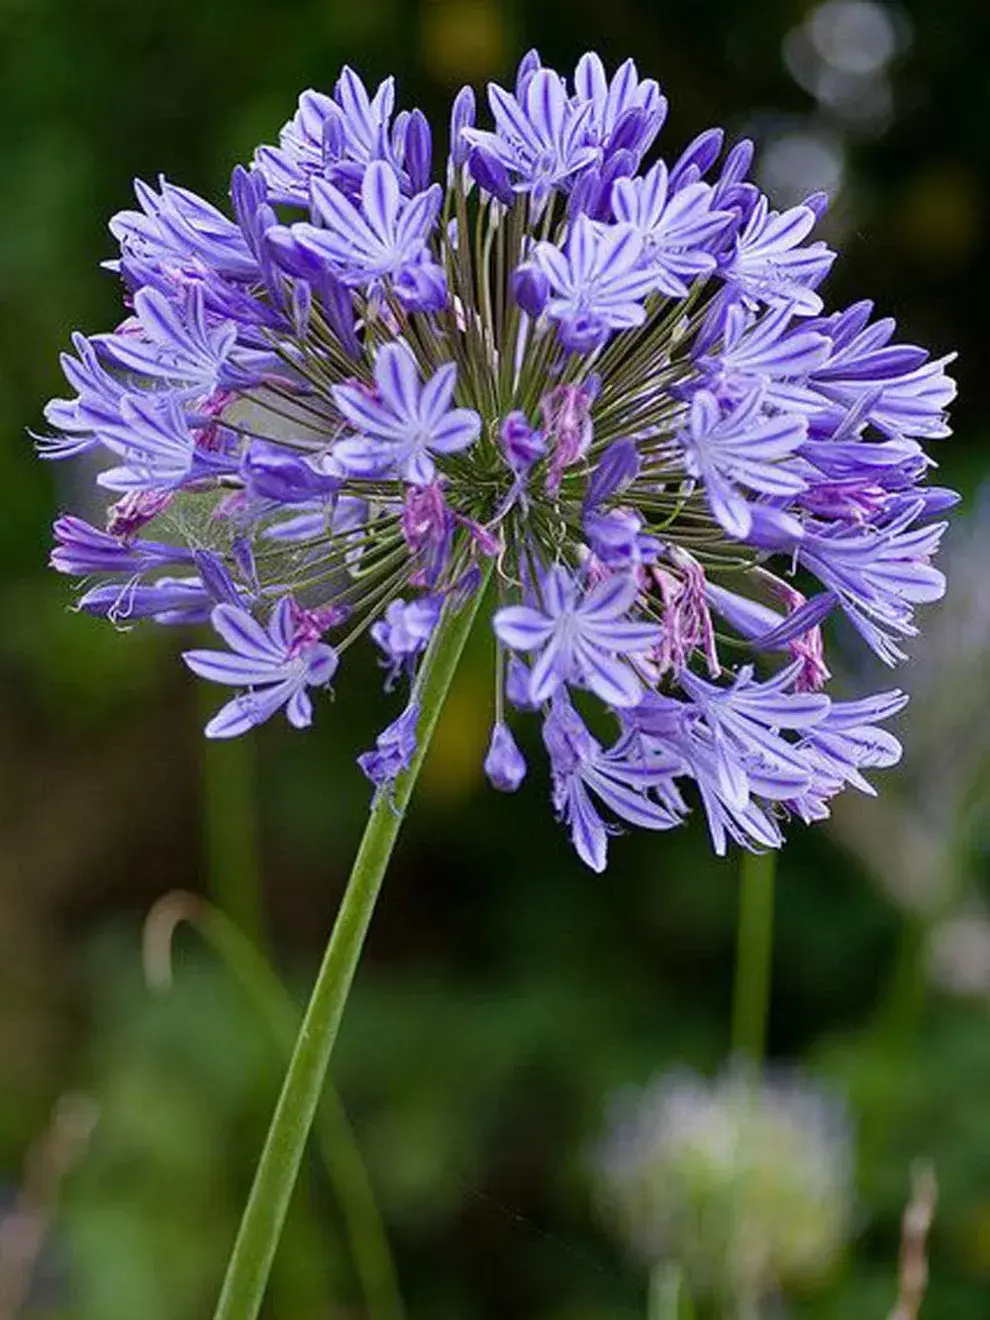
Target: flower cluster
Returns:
[609, 388]
[745, 1181]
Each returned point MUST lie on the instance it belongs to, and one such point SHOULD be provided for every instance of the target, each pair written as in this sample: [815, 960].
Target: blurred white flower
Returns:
[745, 1182]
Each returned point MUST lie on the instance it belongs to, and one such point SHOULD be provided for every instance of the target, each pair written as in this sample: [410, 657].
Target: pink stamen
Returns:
[686, 620]
[132, 511]
[567, 424]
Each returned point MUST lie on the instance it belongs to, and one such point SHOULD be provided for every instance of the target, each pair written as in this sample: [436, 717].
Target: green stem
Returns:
[666, 1286]
[754, 948]
[250, 1263]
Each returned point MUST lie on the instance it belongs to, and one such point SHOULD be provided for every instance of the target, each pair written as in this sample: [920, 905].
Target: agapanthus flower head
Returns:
[744, 1181]
[353, 402]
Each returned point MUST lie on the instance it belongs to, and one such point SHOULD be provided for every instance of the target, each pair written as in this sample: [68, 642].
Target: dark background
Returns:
[506, 991]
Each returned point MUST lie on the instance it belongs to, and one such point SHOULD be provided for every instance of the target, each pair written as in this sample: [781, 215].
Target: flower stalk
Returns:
[754, 954]
[261, 1225]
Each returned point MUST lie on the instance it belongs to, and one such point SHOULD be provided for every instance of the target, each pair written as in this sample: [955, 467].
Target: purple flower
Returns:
[540, 136]
[628, 413]
[878, 575]
[404, 631]
[597, 283]
[626, 113]
[178, 233]
[394, 749]
[771, 354]
[582, 636]
[332, 138]
[276, 664]
[387, 238]
[905, 393]
[843, 744]
[178, 345]
[621, 779]
[504, 762]
[405, 423]
[730, 742]
[747, 448]
[157, 445]
[99, 395]
[83, 549]
[675, 227]
[769, 265]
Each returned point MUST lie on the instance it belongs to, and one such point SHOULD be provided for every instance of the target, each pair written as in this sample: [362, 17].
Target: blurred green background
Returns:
[506, 992]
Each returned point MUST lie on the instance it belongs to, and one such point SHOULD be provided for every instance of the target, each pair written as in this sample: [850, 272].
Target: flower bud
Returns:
[491, 175]
[504, 764]
[418, 151]
[462, 114]
[521, 443]
[531, 289]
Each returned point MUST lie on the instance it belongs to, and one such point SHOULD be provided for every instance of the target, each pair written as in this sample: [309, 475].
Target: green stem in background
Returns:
[338, 1147]
[666, 1292]
[261, 1226]
[231, 833]
[754, 950]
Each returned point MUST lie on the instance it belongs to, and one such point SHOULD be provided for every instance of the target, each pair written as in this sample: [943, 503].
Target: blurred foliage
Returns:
[506, 992]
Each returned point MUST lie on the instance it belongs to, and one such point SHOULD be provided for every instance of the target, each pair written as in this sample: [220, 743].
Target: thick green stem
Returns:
[754, 949]
[257, 1239]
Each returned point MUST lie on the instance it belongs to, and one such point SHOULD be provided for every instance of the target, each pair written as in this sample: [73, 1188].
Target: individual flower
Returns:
[385, 240]
[582, 636]
[605, 408]
[277, 664]
[676, 227]
[541, 134]
[403, 423]
[597, 283]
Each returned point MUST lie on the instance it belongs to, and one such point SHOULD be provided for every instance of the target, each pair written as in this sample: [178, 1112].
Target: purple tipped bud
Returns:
[615, 469]
[817, 202]
[491, 175]
[216, 579]
[504, 764]
[528, 65]
[271, 472]
[291, 256]
[462, 115]
[522, 444]
[585, 195]
[422, 288]
[418, 151]
[699, 156]
[531, 290]
[583, 333]
[630, 131]
[517, 686]
[338, 304]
